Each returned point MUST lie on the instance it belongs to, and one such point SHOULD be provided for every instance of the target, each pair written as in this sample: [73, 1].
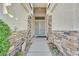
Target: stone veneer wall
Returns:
[66, 41]
[49, 27]
[20, 40]
[17, 39]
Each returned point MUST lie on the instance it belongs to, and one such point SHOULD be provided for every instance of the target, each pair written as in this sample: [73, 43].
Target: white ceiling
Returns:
[40, 4]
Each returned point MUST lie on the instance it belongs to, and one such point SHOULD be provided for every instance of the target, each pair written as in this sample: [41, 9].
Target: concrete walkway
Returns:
[39, 47]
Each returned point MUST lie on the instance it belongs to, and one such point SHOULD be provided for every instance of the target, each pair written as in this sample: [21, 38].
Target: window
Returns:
[39, 18]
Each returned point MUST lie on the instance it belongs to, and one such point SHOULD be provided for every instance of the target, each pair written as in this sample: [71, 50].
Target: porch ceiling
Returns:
[40, 4]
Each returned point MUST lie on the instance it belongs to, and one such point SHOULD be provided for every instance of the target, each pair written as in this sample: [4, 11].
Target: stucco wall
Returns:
[1, 11]
[65, 17]
[76, 17]
[18, 12]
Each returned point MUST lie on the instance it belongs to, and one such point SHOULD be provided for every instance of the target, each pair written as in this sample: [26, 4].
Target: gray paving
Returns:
[39, 47]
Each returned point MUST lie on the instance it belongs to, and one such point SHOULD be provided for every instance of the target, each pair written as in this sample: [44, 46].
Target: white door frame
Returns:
[39, 27]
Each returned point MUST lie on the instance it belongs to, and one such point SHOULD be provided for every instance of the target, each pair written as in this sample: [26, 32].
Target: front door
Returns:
[40, 27]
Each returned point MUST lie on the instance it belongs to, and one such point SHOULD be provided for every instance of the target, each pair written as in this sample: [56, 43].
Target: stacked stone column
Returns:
[50, 29]
[28, 36]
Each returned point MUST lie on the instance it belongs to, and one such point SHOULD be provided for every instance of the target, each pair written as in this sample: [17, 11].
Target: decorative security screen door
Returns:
[40, 27]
